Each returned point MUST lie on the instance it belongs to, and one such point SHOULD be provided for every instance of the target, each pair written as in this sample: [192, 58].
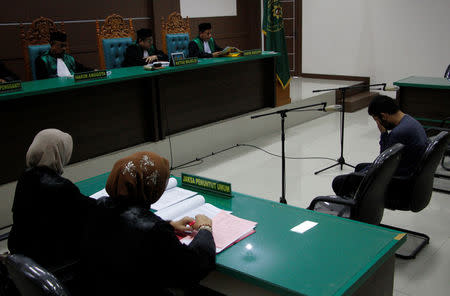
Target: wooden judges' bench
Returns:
[132, 105]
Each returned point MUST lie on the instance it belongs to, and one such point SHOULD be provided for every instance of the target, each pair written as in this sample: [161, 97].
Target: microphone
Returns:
[332, 108]
[390, 88]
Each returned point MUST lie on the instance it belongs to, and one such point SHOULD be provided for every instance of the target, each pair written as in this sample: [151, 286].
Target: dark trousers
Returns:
[346, 185]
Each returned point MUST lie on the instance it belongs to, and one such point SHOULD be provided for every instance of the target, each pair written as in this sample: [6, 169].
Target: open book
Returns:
[227, 229]
[230, 49]
[177, 203]
[171, 196]
[189, 208]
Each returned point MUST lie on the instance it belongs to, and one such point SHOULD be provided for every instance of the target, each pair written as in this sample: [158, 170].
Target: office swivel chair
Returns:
[413, 193]
[367, 205]
[22, 276]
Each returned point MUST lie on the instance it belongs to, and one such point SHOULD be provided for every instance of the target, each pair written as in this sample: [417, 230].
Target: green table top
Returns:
[36, 87]
[333, 258]
[424, 82]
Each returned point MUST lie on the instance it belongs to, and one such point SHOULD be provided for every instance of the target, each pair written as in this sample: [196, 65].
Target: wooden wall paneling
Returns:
[162, 8]
[79, 25]
[242, 31]
[298, 39]
[85, 9]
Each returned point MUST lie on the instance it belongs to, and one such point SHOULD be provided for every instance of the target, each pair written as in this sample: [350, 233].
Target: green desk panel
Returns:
[44, 86]
[333, 258]
[424, 82]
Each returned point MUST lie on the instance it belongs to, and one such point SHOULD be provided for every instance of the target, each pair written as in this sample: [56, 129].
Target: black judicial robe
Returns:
[46, 65]
[128, 250]
[49, 213]
[6, 74]
[134, 55]
[195, 51]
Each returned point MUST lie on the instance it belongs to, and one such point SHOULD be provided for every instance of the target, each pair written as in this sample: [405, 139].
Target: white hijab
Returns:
[51, 148]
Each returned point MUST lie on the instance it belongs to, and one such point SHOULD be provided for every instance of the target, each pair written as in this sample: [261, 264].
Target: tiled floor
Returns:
[253, 172]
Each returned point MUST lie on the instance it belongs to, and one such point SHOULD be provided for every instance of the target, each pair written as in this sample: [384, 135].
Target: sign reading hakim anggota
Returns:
[90, 75]
[273, 29]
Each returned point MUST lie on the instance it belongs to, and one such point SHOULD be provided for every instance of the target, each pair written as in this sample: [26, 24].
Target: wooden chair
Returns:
[35, 41]
[179, 27]
[113, 38]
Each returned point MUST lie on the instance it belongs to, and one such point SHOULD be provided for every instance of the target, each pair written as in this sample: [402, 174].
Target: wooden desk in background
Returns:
[425, 98]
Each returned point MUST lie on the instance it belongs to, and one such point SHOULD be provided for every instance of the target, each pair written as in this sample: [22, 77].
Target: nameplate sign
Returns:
[10, 86]
[183, 62]
[252, 52]
[90, 75]
[213, 186]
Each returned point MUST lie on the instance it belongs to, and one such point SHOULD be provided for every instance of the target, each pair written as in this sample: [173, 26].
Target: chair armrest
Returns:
[359, 174]
[436, 128]
[400, 178]
[332, 199]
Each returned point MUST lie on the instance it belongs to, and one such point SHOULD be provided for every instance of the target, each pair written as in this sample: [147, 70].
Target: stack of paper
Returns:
[227, 230]
[172, 195]
[189, 208]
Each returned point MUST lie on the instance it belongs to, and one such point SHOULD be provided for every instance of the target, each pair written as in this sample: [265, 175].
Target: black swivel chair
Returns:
[367, 205]
[413, 193]
[447, 73]
[442, 178]
[29, 278]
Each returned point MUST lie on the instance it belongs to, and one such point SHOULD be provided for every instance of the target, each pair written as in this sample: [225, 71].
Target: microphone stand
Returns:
[341, 161]
[283, 115]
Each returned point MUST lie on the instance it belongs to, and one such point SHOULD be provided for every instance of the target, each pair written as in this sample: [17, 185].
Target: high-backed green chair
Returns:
[175, 34]
[113, 38]
[36, 41]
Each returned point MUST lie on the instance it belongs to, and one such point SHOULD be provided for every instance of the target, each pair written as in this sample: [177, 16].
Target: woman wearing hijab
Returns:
[48, 210]
[128, 250]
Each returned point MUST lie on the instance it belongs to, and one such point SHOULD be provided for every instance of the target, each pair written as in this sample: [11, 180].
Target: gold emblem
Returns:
[275, 23]
[277, 11]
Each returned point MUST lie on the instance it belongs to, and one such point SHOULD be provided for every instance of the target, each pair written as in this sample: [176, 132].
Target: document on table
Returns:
[227, 230]
[171, 195]
[190, 207]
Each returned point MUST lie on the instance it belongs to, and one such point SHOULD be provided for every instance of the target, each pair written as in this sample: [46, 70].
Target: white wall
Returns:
[385, 39]
[208, 8]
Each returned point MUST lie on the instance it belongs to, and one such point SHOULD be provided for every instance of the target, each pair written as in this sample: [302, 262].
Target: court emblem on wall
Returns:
[275, 23]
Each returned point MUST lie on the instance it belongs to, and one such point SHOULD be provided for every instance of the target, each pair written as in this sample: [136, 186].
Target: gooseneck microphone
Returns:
[332, 108]
[390, 88]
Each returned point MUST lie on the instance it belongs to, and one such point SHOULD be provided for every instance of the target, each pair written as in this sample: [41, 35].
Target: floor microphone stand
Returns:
[283, 115]
[341, 161]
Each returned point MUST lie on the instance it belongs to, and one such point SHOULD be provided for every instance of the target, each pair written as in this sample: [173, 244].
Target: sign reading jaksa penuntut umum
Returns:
[214, 186]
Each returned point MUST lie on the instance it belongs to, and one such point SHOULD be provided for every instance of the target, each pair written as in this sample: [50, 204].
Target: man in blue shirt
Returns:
[395, 127]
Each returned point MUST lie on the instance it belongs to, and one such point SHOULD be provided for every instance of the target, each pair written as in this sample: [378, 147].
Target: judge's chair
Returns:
[36, 41]
[21, 276]
[113, 38]
[175, 34]
[367, 205]
[413, 193]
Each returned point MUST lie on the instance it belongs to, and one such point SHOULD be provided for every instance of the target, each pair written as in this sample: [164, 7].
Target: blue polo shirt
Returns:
[410, 133]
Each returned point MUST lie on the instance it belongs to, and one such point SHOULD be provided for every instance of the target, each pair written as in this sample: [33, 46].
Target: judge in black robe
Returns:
[143, 51]
[204, 46]
[47, 63]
